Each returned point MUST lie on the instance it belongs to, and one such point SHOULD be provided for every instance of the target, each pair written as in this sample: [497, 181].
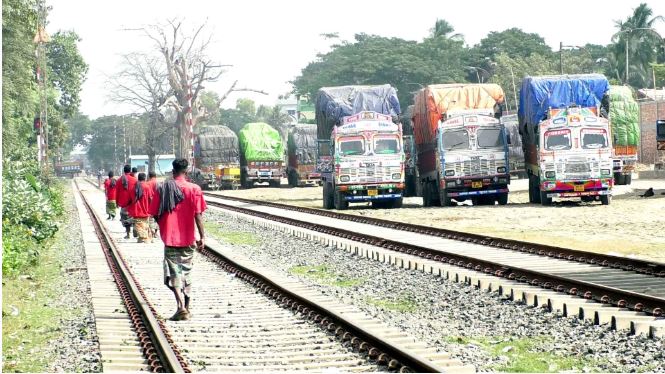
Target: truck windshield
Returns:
[557, 140]
[489, 138]
[352, 146]
[386, 145]
[455, 139]
[594, 138]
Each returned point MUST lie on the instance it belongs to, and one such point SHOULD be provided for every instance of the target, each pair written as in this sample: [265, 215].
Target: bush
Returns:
[32, 202]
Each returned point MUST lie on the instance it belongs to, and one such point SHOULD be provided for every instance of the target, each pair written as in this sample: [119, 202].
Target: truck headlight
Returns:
[605, 171]
[501, 169]
[550, 174]
[450, 184]
[397, 175]
[549, 185]
[344, 178]
[450, 173]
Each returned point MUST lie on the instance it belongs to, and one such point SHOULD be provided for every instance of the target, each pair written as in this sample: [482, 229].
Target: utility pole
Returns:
[561, 57]
[514, 88]
[115, 145]
[626, 82]
[124, 141]
[41, 38]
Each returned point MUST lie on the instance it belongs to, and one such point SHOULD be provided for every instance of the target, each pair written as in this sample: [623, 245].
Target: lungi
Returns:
[142, 229]
[178, 262]
[111, 207]
[125, 219]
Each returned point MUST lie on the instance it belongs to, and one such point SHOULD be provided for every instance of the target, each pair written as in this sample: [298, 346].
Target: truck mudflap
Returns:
[372, 198]
[579, 194]
[477, 193]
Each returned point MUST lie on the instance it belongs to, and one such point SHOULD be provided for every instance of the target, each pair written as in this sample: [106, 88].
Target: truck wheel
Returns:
[445, 199]
[397, 203]
[534, 189]
[434, 193]
[605, 199]
[628, 178]
[327, 196]
[427, 199]
[546, 201]
[245, 182]
[338, 199]
[619, 179]
[502, 198]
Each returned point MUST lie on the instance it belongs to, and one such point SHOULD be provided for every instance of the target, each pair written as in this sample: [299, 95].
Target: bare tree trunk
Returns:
[151, 159]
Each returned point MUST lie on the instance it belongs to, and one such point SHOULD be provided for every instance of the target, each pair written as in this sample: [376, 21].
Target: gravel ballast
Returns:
[478, 327]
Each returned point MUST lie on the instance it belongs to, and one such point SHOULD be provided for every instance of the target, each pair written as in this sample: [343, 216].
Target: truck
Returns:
[216, 158]
[360, 153]
[261, 155]
[462, 147]
[301, 156]
[515, 151]
[68, 169]
[567, 144]
[412, 186]
[624, 115]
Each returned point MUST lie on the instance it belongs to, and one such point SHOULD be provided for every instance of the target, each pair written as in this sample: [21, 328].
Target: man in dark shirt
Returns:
[125, 195]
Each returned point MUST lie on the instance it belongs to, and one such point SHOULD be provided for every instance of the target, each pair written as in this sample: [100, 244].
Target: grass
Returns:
[524, 355]
[231, 237]
[403, 304]
[34, 294]
[322, 275]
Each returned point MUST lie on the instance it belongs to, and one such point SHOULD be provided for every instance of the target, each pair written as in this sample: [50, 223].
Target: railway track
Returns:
[626, 284]
[249, 319]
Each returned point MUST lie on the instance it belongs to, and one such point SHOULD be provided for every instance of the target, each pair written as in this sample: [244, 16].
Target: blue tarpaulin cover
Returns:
[538, 94]
[334, 103]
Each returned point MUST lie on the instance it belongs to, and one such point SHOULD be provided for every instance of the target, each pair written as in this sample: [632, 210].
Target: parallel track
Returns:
[207, 342]
[626, 283]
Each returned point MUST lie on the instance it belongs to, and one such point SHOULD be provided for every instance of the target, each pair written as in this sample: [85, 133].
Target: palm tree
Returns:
[443, 28]
[637, 42]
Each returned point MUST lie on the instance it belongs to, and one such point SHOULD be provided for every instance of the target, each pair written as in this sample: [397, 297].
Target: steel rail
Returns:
[158, 346]
[588, 290]
[624, 263]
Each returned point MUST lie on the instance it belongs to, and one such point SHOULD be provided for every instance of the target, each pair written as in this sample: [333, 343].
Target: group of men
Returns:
[176, 206]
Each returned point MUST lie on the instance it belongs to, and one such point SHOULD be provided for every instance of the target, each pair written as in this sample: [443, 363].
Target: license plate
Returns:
[578, 188]
[477, 184]
[372, 192]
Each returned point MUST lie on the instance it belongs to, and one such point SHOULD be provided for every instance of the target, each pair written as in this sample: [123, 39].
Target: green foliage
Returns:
[509, 72]
[512, 42]
[67, 70]
[372, 59]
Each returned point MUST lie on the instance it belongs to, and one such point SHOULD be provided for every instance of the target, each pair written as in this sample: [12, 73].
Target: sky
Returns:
[268, 43]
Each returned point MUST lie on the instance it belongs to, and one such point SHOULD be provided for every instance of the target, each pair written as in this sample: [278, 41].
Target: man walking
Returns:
[177, 206]
[152, 184]
[110, 191]
[139, 210]
[125, 195]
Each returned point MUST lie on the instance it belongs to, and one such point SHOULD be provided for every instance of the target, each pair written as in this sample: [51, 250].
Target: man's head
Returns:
[141, 177]
[152, 174]
[134, 170]
[111, 174]
[126, 169]
[179, 166]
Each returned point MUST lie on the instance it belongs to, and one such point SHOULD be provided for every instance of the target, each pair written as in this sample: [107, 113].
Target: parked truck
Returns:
[217, 158]
[360, 151]
[301, 160]
[515, 151]
[624, 115]
[567, 144]
[462, 146]
[261, 155]
[411, 183]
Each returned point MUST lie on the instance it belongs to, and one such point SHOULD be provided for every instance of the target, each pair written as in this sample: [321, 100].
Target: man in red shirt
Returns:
[152, 184]
[139, 210]
[177, 206]
[125, 195]
[109, 190]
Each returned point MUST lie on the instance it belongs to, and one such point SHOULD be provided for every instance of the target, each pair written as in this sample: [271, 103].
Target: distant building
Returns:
[290, 106]
[163, 163]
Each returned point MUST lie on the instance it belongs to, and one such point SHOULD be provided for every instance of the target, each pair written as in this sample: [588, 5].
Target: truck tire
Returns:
[245, 182]
[340, 203]
[605, 199]
[619, 179]
[534, 189]
[502, 198]
[544, 200]
[628, 178]
[327, 196]
[427, 199]
[434, 193]
[274, 184]
[445, 199]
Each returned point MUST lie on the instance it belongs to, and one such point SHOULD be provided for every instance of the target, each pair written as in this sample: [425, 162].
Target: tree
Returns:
[644, 45]
[67, 70]
[444, 29]
[509, 72]
[105, 143]
[143, 84]
[188, 69]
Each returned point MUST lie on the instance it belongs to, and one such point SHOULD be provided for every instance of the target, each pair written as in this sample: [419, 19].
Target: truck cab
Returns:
[573, 158]
[473, 160]
[363, 161]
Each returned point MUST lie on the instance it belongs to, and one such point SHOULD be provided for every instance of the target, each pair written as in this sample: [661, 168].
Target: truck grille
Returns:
[376, 174]
[478, 167]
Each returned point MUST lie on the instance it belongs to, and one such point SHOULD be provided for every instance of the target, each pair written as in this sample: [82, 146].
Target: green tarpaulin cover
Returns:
[260, 142]
[624, 116]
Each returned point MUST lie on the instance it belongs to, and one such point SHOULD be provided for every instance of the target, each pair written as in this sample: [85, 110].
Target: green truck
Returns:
[624, 120]
[261, 155]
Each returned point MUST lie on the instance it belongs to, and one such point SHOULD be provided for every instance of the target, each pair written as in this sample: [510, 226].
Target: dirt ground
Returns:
[629, 226]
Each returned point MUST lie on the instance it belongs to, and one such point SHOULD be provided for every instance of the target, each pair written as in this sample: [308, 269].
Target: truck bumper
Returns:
[359, 193]
[578, 194]
[355, 198]
[492, 191]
